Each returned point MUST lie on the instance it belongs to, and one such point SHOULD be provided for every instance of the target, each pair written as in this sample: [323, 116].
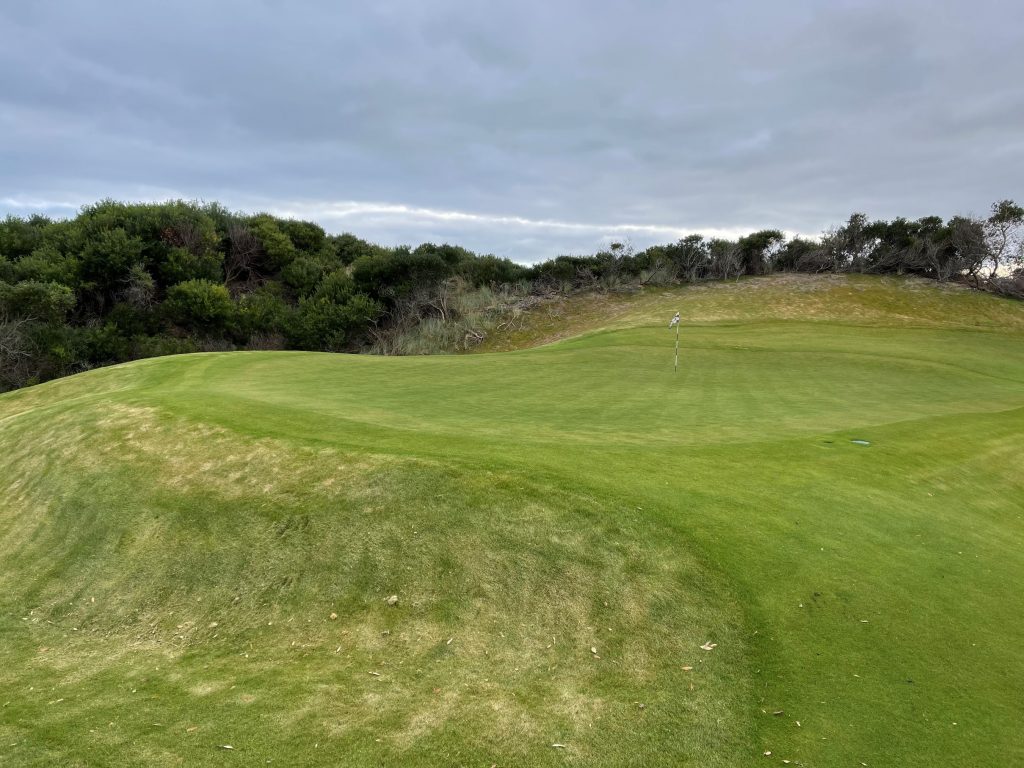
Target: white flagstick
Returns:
[675, 322]
[676, 370]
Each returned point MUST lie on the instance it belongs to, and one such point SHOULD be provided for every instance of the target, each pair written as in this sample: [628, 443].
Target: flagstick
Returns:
[676, 369]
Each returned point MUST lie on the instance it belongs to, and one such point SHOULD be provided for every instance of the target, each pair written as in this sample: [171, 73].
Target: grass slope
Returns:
[195, 551]
[849, 299]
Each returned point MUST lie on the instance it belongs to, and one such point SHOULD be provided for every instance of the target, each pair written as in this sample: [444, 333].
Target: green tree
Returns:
[19, 237]
[348, 248]
[304, 235]
[303, 274]
[1004, 233]
[276, 248]
[48, 264]
[199, 305]
[261, 314]
[338, 287]
[690, 257]
[180, 264]
[725, 258]
[491, 270]
[32, 300]
[399, 273]
[320, 324]
[969, 246]
[107, 258]
[798, 254]
[757, 251]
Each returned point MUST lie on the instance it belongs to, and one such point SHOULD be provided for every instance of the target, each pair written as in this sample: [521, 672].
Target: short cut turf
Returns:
[195, 552]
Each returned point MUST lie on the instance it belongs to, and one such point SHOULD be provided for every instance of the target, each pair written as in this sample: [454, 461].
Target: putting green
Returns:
[196, 551]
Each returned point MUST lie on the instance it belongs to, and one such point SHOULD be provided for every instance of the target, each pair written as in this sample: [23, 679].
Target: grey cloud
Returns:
[733, 115]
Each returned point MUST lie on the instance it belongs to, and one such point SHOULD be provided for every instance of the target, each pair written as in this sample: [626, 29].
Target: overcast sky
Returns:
[525, 128]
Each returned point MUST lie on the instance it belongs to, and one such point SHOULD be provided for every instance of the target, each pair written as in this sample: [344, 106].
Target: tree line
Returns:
[123, 281]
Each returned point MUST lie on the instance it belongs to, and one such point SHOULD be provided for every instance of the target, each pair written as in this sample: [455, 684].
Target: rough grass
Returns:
[174, 582]
[195, 551]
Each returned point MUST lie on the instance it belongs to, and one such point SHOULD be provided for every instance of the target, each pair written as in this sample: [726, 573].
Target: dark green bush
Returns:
[32, 300]
[399, 273]
[320, 324]
[261, 313]
[199, 305]
[303, 274]
[338, 287]
[490, 270]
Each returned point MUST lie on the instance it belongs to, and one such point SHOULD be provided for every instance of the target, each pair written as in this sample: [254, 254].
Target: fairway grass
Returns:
[196, 552]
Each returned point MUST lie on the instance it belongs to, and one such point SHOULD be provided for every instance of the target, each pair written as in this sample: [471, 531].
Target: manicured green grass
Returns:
[196, 551]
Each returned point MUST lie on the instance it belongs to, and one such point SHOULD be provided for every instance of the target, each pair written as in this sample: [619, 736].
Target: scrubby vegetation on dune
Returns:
[585, 549]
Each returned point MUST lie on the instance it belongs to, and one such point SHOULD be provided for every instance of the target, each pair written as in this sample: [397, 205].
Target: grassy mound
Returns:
[196, 552]
[848, 299]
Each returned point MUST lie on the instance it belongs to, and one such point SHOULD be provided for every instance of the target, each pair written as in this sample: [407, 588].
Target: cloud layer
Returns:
[524, 129]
